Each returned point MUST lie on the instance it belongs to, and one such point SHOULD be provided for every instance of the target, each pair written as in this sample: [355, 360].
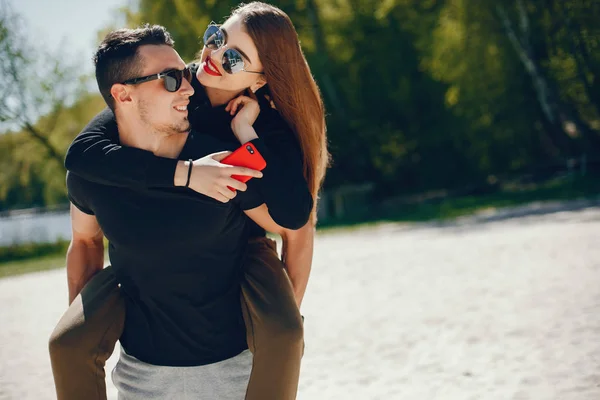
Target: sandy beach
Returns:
[486, 307]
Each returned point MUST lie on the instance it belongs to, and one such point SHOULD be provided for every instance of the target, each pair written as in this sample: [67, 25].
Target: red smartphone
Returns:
[245, 156]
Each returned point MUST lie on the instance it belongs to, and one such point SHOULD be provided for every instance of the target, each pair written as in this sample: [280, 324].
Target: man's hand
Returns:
[212, 178]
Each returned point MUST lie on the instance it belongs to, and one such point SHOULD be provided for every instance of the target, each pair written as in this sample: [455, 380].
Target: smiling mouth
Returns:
[210, 68]
[181, 108]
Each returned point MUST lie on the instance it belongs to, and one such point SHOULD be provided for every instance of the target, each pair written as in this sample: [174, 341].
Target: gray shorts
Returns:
[225, 380]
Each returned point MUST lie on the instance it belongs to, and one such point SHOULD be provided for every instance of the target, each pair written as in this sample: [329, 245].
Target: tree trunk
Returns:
[582, 61]
[43, 140]
[323, 54]
[554, 112]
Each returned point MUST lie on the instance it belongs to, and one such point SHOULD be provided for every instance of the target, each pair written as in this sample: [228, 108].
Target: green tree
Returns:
[44, 104]
[529, 43]
[33, 83]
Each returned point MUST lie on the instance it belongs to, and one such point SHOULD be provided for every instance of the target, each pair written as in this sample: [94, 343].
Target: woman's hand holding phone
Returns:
[214, 179]
[245, 156]
[221, 175]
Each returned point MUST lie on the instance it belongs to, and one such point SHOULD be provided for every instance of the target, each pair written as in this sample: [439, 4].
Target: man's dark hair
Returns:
[117, 58]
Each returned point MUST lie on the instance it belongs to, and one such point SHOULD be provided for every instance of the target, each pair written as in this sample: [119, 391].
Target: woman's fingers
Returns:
[219, 197]
[234, 183]
[226, 192]
[220, 155]
[242, 171]
[234, 104]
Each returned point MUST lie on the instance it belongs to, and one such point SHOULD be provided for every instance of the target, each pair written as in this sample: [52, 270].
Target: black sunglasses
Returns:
[172, 78]
[232, 60]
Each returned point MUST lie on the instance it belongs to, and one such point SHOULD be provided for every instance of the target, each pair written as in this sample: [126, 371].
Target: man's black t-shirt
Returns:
[96, 156]
[177, 256]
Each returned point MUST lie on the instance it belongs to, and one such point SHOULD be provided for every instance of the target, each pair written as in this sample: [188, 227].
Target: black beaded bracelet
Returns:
[187, 184]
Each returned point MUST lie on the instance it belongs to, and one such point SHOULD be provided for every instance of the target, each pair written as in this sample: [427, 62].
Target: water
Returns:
[28, 227]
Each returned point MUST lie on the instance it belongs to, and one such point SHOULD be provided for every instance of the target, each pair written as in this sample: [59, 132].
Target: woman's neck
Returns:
[219, 97]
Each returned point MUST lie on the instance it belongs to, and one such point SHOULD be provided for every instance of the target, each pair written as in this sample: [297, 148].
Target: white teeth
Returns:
[181, 108]
[209, 64]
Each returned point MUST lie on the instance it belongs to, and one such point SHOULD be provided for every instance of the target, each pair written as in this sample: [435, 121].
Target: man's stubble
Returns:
[175, 128]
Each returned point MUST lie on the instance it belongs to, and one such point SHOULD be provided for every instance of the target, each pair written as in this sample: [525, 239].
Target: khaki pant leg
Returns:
[273, 323]
[85, 338]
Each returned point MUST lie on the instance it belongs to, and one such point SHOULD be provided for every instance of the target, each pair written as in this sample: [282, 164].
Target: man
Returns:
[176, 255]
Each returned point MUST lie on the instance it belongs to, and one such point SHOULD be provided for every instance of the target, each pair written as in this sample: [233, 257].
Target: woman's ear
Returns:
[120, 93]
[260, 82]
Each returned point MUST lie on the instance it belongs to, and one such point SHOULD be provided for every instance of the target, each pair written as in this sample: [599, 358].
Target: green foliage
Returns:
[420, 94]
[19, 267]
[44, 104]
[449, 207]
[32, 250]
[28, 176]
[428, 94]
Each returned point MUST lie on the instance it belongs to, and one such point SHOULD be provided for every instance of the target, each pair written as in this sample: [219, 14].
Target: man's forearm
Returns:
[83, 261]
[181, 173]
[96, 155]
[297, 254]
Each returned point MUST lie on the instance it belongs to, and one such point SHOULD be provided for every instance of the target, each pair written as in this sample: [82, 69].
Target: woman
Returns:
[255, 52]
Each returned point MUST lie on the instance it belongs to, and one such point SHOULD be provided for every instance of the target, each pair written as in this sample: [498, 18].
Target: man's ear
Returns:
[120, 93]
[260, 82]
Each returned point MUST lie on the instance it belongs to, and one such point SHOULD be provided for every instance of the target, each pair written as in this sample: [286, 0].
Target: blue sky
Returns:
[68, 24]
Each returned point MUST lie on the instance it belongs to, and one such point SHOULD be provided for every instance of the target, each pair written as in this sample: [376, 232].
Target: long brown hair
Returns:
[290, 85]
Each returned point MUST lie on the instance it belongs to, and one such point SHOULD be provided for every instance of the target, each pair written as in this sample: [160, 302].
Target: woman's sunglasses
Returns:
[172, 78]
[232, 60]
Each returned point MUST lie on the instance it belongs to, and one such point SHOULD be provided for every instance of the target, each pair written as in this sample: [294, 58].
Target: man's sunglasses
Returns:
[172, 78]
[232, 60]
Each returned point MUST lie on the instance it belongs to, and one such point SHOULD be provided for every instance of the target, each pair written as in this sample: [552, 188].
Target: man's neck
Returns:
[138, 135]
[218, 97]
